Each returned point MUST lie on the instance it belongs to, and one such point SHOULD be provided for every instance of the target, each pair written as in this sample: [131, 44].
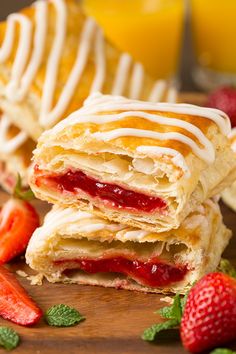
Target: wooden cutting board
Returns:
[115, 319]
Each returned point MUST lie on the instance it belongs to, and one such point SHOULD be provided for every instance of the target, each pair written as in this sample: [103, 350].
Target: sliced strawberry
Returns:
[18, 220]
[209, 318]
[15, 303]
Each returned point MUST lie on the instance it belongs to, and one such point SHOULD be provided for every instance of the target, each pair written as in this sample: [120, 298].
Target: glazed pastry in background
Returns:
[79, 247]
[52, 57]
[144, 164]
[15, 154]
[229, 194]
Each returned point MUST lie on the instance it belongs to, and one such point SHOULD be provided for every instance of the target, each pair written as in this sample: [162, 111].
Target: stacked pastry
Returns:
[51, 58]
[229, 194]
[130, 182]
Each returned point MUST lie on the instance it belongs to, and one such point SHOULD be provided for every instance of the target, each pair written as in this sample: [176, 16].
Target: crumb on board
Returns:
[34, 279]
[167, 299]
[21, 273]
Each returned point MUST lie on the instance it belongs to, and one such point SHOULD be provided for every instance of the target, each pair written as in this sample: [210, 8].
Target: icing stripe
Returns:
[207, 153]
[100, 62]
[104, 103]
[136, 81]
[9, 145]
[121, 74]
[154, 118]
[54, 60]
[157, 91]
[22, 53]
[50, 118]
[18, 86]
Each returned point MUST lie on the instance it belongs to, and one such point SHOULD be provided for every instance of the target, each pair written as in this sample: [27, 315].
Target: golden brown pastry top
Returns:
[142, 127]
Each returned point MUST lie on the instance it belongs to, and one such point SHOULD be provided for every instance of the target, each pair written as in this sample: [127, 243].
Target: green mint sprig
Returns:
[222, 351]
[63, 316]
[226, 267]
[20, 192]
[151, 333]
[173, 313]
[9, 339]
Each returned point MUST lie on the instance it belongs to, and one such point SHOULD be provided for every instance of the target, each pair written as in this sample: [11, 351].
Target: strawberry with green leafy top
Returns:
[206, 316]
[18, 221]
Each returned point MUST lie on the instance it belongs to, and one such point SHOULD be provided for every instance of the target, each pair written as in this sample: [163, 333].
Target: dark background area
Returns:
[187, 84]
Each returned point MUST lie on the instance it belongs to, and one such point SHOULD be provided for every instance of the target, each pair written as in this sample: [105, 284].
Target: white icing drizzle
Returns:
[97, 103]
[172, 95]
[18, 86]
[53, 60]
[51, 117]
[100, 62]
[27, 61]
[157, 91]
[207, 153]
[22, 53]
[136, 81]
[126, 108]
[9, 145]
[121, 74]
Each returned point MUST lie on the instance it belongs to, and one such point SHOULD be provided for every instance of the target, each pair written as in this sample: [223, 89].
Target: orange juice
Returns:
[150, 30]
[214, 33]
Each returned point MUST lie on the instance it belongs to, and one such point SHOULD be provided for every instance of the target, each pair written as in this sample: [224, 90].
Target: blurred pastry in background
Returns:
[229, 194]
[52, 57]
[15, 154]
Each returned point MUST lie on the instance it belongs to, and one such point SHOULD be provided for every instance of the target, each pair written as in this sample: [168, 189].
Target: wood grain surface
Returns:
[115, 319]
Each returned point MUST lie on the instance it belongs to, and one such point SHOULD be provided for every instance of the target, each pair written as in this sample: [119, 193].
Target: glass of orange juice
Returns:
[214, 33]
[149, 30]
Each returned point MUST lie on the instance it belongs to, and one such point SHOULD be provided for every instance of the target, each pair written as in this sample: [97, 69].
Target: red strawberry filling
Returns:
[113, 195]
[153, 273]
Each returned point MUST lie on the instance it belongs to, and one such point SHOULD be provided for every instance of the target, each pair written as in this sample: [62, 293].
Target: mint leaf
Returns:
[166, 312]
[226, 267]
[9, 339]
[174, 311]
[19, 191]
[222, 351]
[151, 333]
[63, 316]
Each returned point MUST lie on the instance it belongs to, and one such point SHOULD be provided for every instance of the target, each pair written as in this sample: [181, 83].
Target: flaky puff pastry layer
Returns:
[69, 234]
[52, 57]
[176, 152]
[15, 154]
[229, 194]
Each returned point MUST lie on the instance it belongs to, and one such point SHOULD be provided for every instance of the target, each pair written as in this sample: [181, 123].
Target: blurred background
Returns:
[172, 38]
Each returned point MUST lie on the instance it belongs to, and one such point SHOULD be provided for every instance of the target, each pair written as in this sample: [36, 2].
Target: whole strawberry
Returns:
[209, 317]
[224, 99]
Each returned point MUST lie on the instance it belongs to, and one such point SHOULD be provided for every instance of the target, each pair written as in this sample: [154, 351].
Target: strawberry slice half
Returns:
[18, 220]
[15, 303]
